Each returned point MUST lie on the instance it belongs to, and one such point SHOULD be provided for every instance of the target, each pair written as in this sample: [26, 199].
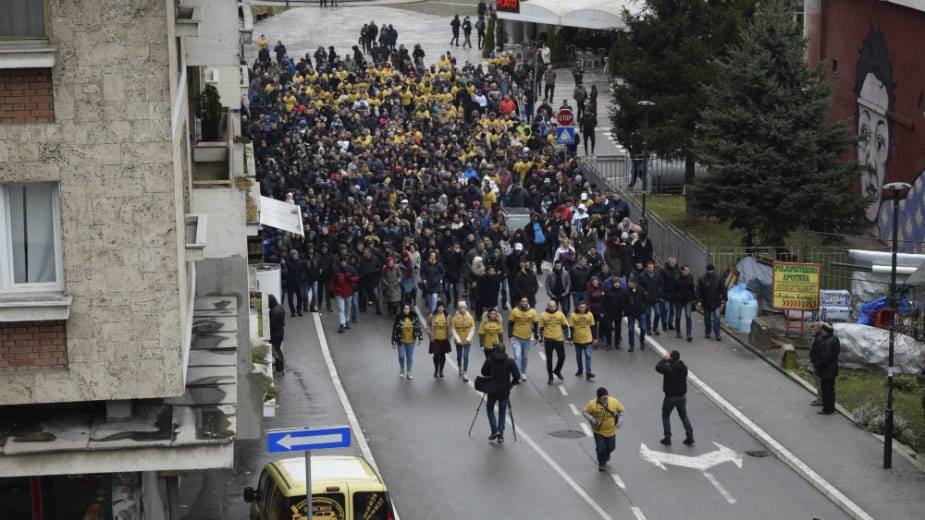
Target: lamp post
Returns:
[645, 104]
[895, 191]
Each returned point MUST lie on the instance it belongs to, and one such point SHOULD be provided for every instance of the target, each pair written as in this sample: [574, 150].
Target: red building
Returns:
[873, 52]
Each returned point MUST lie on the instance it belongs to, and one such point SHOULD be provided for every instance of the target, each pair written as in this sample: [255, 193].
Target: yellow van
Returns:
[343, 488]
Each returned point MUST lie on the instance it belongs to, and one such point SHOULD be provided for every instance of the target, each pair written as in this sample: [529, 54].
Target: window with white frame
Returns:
[30, 237]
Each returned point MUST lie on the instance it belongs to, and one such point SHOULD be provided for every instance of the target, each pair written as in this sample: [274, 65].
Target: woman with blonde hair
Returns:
[462, 328]
[438, 328]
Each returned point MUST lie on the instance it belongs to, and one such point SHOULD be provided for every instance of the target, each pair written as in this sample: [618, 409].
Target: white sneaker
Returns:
[461, 372]
[465, 377]
[523, 378]
[410, 377]
[401, 374]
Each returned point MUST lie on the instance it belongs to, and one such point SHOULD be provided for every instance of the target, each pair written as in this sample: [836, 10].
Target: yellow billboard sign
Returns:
[796, 286]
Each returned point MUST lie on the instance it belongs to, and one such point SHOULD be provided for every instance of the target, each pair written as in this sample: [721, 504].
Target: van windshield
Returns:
[371, 506]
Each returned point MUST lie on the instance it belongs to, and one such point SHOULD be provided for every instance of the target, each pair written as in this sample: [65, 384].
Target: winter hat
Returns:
[601, 392]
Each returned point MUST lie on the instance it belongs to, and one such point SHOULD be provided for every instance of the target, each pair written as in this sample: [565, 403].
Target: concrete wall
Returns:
[218, 42]
[225, 208]
[110, 150]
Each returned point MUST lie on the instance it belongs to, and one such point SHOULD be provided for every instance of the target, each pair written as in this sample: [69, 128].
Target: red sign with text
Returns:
[508, 6]
[565, 117]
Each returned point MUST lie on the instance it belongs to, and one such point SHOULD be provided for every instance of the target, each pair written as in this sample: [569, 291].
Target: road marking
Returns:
[778, 449]
[638, 514]
[701, 462]
[344, 400]
[719, 487]
[574, 409]
[586, 429]
[563, 390]
[619, 481]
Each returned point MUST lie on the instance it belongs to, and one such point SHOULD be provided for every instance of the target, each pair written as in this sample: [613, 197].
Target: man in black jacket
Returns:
[277, 326]
[825, 366]
[504, 375]
[612, 326]
[670, 273]
[674, 384]
[685, 294]
[652, 283]
[294, 273]
[370, 270]
[633, 303]
[711, 293]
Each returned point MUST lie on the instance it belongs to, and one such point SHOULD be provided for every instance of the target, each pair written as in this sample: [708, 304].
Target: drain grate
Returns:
[567, 434]
[757, 453]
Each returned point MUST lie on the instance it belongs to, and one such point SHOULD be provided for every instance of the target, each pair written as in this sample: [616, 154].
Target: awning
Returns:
[281, 215]
[588, 14]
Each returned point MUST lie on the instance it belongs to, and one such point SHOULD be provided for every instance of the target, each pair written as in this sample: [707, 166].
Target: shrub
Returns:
[906, 383]
[873, 419]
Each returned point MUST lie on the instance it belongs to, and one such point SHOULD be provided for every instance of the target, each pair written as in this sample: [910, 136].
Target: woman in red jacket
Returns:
[342, 285]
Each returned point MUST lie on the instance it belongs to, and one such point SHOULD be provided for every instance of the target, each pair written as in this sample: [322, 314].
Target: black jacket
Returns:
[824, 356]
[277, 320]
[503, 373]
[669, 282]
[613, 301]
[652, 283]
[674, 382]
[684, 290]
[525, 284]
[633, 302]
[710, 291]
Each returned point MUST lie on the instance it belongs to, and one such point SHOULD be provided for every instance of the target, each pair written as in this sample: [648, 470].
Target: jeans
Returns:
[405, 351]
[343, 309]
[462, 356]
[354, 304]
[711, 318]
[655, 312]
[671, 307]
[671, 402]
[313, 287]
[303, 297]
[631, 330]
[688, 324]
[521, 351]
[578, 297]
[586, 349]
[551, 345]
[452, 292]
[497, 425]
[604, 446]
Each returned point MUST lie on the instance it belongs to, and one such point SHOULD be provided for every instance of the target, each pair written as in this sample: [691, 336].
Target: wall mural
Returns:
[876, 87]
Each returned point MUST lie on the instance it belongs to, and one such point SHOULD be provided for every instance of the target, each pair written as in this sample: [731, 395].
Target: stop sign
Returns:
[565, 117]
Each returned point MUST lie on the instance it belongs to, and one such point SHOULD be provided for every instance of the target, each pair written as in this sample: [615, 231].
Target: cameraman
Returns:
[503, 375]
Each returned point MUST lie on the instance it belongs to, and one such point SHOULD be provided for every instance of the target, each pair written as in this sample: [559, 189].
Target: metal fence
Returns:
[665, 175]
[667, 239]
[833, 276]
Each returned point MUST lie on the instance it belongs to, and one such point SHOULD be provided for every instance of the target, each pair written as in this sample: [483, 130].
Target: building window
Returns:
[23, 19]
[30, 237]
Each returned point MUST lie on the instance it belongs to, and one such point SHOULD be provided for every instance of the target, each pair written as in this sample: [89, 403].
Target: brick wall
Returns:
[31, 346]
[26, 96]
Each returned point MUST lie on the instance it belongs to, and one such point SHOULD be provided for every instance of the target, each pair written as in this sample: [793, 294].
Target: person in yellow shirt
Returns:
[462, 327]
[405, 332]
[489, 198]
[553, 328]
[261, 43]
[491, 332]
[438, 328]
[582, 323]
[521, 327]
[604, 414]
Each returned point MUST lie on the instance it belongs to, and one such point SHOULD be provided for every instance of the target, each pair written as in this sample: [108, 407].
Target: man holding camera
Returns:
[604, 414]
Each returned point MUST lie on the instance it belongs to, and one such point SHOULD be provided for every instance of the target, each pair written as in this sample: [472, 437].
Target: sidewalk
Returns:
[835, 455]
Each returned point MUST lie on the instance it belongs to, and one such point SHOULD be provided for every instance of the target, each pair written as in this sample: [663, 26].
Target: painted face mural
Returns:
[874, 86]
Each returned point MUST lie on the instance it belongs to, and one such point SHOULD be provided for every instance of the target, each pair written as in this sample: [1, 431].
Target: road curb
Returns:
[901, 449]
[778, 449]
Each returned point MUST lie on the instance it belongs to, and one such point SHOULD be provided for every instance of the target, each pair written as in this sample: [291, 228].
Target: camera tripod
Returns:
[510, 412]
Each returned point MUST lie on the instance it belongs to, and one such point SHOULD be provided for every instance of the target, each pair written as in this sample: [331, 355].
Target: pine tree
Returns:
[666, 55]
[773, 159]
[488, 46]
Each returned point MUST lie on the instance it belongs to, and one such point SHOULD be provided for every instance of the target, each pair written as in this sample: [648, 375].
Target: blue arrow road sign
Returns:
[565, 135]
[305, 439]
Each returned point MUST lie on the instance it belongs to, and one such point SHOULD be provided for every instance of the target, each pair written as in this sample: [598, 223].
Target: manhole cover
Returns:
[567, 434]
[758, 453]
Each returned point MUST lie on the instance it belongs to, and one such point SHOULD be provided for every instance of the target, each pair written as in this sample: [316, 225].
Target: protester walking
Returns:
[467, 32]
[454, 24]
[438, 328]
[294, 273]
[491, 331]
[406, 331]
[685, 294]
[503, 375]
[674, 384]
[605, 415]
[391, 286]
[342, 285]
[462, 328]
[480, 30]
[825, 365]
[559, 285]
[634, 307]
[581, 323]
[553, 329]
[277, 327]
[612, 327]
[712, 294]
[522, 329]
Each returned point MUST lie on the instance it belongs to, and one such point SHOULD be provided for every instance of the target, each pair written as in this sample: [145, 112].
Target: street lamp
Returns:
[645, 104]
[895, 191]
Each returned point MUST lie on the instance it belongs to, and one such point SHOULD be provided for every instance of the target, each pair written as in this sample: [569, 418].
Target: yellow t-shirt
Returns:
[407, 331]
[462, 325]
[441, 327]
[491, 333]
[489, 198]
[581, 327]
[523, 322]
[606, 416]
[552, 325]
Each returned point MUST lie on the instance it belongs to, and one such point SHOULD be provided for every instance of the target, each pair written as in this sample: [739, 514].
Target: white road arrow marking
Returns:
[701, 462]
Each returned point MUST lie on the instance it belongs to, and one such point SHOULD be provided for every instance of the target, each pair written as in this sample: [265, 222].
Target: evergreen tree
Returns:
[773, 159]
[666, 55]
[488, 46]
